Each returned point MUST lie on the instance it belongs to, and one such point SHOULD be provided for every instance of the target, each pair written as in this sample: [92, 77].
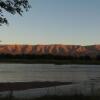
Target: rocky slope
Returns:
[76, 50]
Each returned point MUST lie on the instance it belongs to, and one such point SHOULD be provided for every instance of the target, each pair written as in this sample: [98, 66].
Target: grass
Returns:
[55, 97]
[73, 97]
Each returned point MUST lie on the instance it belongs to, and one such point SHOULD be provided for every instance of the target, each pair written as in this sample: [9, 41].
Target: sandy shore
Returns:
[16, 86]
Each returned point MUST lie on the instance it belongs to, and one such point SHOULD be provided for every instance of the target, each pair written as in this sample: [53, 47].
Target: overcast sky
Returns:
[55, 22]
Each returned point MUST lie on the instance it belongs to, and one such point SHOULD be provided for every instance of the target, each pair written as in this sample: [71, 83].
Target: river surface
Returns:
[48, 72]
[86, 76]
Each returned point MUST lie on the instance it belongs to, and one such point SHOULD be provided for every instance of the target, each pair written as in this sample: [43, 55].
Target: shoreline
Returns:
[47, 61]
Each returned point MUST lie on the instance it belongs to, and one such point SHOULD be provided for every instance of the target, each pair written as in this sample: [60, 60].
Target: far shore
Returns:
[47, 61]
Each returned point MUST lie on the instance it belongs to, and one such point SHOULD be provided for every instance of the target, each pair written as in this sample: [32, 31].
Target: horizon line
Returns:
[49, 44]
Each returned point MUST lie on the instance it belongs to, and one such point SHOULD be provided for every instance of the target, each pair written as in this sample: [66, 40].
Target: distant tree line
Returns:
[47, 56]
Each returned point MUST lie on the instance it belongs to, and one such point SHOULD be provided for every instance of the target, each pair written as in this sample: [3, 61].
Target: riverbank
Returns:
[69, 97]
[47, 61]
[55, 97]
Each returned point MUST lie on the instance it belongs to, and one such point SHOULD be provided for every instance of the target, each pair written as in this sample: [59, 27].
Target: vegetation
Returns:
[74, 97]
[13, 7]
[55, 97]
[56, 59]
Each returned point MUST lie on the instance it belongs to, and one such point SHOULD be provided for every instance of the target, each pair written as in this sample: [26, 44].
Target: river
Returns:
[85, 76]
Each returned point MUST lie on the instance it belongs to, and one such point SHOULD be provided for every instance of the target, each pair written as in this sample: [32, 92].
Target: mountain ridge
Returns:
[53, 49]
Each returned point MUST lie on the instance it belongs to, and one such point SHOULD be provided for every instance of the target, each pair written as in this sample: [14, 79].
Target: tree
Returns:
[13, 7]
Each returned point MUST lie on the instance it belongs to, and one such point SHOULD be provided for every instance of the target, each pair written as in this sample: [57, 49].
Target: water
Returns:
[84, 75]
[48, 72]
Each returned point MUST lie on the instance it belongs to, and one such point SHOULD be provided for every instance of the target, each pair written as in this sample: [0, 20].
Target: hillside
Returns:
[61, 50]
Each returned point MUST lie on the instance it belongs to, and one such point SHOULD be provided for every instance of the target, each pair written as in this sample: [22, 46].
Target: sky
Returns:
[74, 22]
